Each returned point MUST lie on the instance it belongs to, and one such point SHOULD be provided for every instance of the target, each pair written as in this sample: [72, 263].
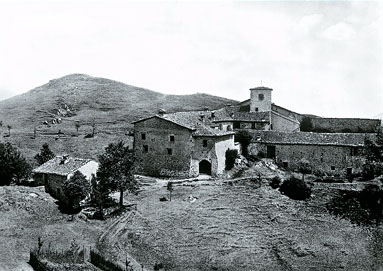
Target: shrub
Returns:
[295, 189]
[275, 182]
[230, 155]
[243, 137]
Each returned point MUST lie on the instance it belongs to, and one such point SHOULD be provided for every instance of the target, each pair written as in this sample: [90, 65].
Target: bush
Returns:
[275, 182]
[243, 137]
[295, 189]
[230, 155]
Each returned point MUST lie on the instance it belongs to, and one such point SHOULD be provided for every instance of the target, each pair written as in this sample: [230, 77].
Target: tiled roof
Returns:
[304, 138]
[58, 166]
[261, 88]
[198, 121]
[232, 113]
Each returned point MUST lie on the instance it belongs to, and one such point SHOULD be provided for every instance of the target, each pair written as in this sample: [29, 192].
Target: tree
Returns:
[230, 156]
[170, 189]
[304, 167]
[373, 152]
[116, 168]
[45, 154]
[13, 166]
[76, 188]
[306, 124]
[243, 137]
[77, 125]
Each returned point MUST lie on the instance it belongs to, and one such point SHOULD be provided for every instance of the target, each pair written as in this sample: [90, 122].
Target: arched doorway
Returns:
[205, 167]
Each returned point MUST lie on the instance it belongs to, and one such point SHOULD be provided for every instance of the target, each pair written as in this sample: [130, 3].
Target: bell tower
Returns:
[260, 99]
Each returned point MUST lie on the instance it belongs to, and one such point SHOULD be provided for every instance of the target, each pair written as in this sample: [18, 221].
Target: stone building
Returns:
[259, 113]
[182, 144]
[56, 171]
[329, 153]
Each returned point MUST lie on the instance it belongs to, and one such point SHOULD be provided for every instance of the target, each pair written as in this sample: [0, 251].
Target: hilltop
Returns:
[81, 98]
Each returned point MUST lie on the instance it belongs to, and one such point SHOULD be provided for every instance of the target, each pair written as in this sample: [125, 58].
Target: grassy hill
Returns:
[110, 104]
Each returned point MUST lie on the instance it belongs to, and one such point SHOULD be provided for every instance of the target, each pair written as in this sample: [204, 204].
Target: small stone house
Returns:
[56, 171]
[182, 144]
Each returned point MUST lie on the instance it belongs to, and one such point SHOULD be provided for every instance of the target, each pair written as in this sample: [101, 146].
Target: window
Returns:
[170, 151]
[354, 151]
[171, 138]
[145, 148]
[256, 109]
[153, 140]
[285, 164]
[236, 125]
[261, 97]
[143, 136]
[332, 168]
[204, 143]
[253, 125]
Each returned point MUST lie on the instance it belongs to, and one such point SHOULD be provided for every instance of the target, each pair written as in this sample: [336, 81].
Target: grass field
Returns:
[242, 226]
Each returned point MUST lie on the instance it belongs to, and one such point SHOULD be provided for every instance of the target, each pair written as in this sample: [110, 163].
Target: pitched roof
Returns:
[261, 88]
[200, 122]
[61, 166]
[308, 138]
[233, 113]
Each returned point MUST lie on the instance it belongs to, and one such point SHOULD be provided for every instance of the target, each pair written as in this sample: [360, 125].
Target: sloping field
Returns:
[27, 213]
[238, 226]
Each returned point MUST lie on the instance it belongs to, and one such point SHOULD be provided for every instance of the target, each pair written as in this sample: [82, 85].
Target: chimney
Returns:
[161, 112]
[64, 159]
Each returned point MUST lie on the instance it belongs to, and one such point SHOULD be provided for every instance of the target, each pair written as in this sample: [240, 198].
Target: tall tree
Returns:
[45, 154]
[116, 169]
[13, 166]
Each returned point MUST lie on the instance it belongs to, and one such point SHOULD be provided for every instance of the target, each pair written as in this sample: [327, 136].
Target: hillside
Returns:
[92, 97]
[81, 98]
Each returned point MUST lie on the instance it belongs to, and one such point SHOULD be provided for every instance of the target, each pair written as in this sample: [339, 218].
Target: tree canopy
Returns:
[13, 166]
[76, 188]
[116, 168]
[45, 154]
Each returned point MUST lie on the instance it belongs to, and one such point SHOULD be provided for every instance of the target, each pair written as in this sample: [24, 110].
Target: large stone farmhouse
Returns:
[56, 171]
[182, 144]
[189, 143]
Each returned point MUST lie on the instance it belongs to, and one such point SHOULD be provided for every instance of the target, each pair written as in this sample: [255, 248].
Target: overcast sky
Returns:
[324, 58]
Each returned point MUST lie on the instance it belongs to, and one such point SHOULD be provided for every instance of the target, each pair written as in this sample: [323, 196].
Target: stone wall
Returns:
[221, 146]
[157, 161]
[329, 160]
[283, 123]
[345, 125]
[214, 152]
[262, 105]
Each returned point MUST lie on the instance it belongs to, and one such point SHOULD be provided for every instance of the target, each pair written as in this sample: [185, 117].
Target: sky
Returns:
[323, 57]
